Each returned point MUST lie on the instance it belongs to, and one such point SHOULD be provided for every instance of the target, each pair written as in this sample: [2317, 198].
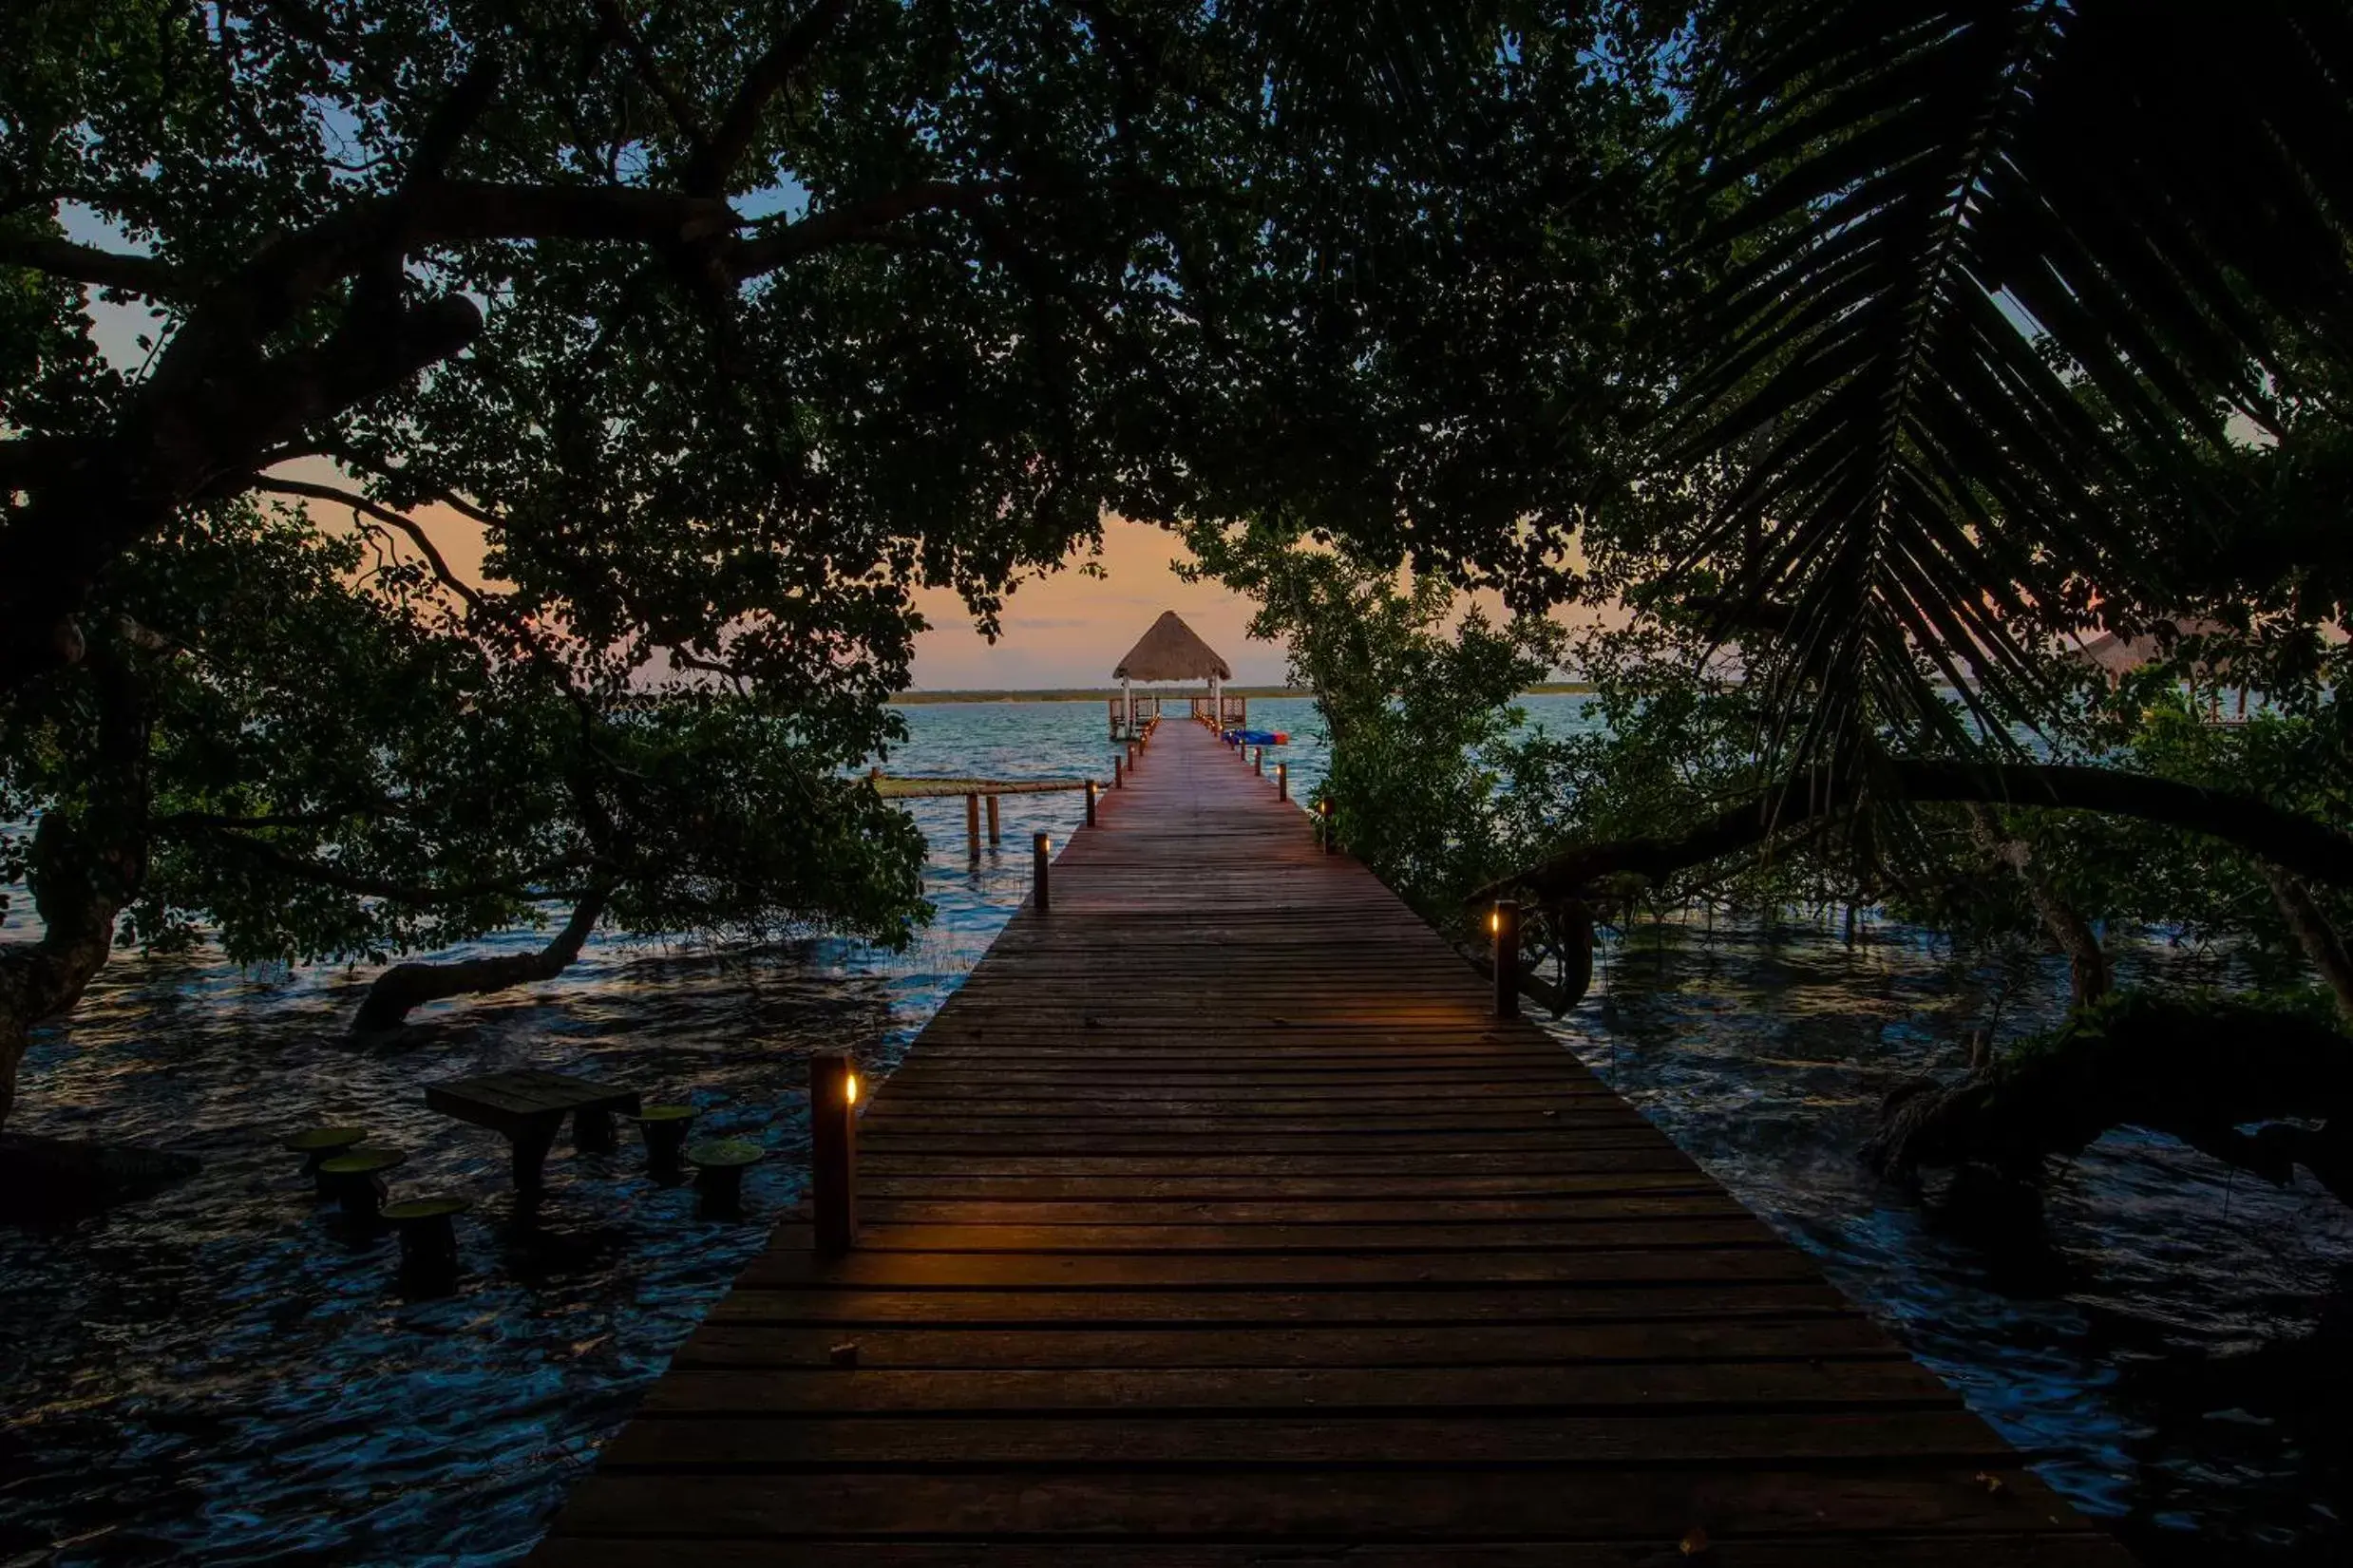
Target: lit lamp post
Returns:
[1323, 814]
[1041, 860]
[1504, 926]
[833, 1090]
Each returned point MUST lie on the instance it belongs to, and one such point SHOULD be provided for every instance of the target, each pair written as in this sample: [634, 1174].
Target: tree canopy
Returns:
[728, 326]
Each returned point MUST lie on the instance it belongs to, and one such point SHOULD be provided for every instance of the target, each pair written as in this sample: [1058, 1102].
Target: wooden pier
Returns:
[1216, 1221]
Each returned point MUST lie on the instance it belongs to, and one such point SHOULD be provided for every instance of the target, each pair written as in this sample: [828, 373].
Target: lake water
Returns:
[217, 1375]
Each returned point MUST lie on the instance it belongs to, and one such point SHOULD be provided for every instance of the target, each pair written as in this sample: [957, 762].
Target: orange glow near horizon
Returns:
[1063, 630]
[1069, 629]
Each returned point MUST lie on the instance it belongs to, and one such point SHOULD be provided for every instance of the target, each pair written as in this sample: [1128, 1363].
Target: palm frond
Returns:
[1994, 254]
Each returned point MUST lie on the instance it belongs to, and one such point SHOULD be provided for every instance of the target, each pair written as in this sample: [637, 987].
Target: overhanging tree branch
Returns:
[770, 74]
[2309, 848]
[383, 514]
[859, 220]
[649, 71]
[139, 274]
[411, 984]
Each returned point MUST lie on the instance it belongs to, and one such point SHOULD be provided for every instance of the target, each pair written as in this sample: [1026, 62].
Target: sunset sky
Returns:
[1065, 629]
[1071, 629]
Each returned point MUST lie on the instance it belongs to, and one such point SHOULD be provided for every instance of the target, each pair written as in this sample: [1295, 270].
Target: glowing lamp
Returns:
[1503, 924]
[833, 1152]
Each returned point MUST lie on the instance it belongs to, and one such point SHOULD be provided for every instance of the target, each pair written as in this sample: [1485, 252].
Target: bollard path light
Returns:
[1503, 924]
[1091, 794]
[1323, 814]
[833, 1090]
[1041, 863]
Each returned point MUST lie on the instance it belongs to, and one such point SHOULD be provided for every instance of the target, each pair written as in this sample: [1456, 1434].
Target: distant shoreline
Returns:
[1088, 694]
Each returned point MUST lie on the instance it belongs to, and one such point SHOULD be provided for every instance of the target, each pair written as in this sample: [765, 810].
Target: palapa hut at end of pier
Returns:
[1171, 651]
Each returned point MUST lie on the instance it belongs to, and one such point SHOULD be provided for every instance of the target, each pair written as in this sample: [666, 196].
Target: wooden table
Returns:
[528, 1105]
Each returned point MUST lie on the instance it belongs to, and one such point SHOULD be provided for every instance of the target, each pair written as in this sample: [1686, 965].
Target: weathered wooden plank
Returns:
[950, 1207]
[2042, 1549]
[1195, 1344]
[1211, 1188]
[1433, 1271]
[1943, 1438]
[754, 1302]
[1818, 1383]
[1135, 1236]
[1334, 1505]
[1582, 1158]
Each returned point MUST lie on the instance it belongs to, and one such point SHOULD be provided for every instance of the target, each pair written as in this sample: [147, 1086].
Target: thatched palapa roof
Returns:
[2122, 656]
[1171, 650]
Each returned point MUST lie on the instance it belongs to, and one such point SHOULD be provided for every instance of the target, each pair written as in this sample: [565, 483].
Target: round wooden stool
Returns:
[428, 1232]
[319, 1144]
[719, 1165]
[664, 1129]
[356, 1181]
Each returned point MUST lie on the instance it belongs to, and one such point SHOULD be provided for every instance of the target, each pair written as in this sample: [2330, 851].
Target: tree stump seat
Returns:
[319, 1144]
[719, 1165]
[355, 1180]
[664, 1129]
[428, 1230]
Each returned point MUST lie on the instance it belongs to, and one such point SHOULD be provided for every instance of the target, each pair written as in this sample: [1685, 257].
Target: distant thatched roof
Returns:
[1171, 650]
[2122, 656]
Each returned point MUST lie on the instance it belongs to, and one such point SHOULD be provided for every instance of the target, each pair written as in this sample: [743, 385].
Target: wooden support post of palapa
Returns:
[1504, 925]
[1041, 863]
[992, 821]
[1091, 793]
[1282, 780]
[833, 1090]
[972, 825]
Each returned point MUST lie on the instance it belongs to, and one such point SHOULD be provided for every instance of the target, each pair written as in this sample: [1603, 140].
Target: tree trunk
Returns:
[2319, 938]
[2309, 848]
[2199, 1069]
[2087, 965]
[86, 866]
[407, 986]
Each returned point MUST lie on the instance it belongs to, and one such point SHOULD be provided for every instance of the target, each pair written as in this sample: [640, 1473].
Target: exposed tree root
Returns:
[2199, 1069]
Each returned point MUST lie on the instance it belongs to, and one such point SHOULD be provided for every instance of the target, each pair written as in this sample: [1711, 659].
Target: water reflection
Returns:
[2171, 1344]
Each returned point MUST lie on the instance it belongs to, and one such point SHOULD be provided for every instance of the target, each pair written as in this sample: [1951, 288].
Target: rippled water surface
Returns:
[219, 1375]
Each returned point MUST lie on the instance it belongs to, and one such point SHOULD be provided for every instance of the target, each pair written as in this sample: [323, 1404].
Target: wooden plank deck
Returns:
[1215, 1222]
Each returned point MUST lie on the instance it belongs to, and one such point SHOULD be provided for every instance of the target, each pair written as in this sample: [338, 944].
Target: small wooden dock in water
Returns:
[1217, 1222]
